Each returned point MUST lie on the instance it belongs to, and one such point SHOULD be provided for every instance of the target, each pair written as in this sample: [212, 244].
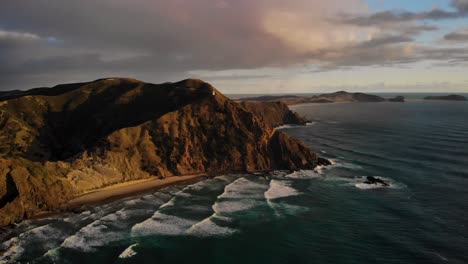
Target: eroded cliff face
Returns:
[274, 113]
[77, 138]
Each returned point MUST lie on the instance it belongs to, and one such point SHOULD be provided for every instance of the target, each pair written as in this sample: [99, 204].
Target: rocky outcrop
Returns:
[452, 97]
[376, 181]
[274, 113]
[59, 142]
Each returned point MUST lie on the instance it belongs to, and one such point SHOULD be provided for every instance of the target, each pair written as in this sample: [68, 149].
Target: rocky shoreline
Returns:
[64, 141]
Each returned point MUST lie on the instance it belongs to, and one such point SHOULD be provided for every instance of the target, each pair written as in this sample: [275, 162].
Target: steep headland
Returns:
[274, 113]
[452, 97]
[56, 143]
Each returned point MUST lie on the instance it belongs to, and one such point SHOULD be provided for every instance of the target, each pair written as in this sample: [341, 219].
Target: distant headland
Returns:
[452, 97]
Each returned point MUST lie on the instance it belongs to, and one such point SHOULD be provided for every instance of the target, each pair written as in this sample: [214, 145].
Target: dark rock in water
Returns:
[323, 162]
[374, 180]
[452, 97]
[397, 99]
[78, 210]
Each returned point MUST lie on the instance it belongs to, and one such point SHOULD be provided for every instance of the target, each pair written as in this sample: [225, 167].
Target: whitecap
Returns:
[230, 206]
[280, 189]
[303, 174]
[12, 250]
[285, 127]
[319, 169]
[208, 228]
[243, 188]
[365, 186]
[90, 237]
[162, 224]
[110, 228]
[129, 252]
[46, 237]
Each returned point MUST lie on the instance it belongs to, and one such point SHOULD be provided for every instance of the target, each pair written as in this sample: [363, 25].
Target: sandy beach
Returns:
[125, 189]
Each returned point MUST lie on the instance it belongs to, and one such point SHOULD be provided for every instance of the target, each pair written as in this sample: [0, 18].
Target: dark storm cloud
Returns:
[457, 36]
[151, 36]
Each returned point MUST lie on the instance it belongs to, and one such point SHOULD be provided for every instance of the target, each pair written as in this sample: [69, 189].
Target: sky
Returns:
[239, 46]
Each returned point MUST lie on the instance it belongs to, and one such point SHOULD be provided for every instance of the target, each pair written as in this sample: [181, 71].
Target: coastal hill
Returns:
[340, 96]
[57, 143]
[274, 113]
[452, 97]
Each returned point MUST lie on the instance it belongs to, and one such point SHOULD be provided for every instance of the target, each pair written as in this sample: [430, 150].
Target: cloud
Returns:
[170, 35]
[457, 36]
[399, 16]
[160, 40]
[17, 36]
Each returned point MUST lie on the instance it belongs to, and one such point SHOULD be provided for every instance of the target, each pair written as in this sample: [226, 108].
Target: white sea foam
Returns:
[208, 228]
[242, 194]
[242, 189]
[223, 207]
[129, 252]
[320, 169]
[110, 228]
[12, 250]
[365, 186]
[280, 189]
[163, 224]
[285, 127]
[46, 236]
[303, 174]
[92, 236]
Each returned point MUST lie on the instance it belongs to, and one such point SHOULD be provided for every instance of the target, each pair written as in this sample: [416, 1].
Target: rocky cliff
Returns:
[274, 113]
[62, 141]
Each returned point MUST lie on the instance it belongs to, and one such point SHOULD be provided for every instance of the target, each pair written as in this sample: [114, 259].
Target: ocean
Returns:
[321, 216]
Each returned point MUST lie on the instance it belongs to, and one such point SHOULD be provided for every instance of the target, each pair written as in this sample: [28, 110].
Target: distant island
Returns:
[62, 142]
[452, 97]
[341, 96]
[398, 99]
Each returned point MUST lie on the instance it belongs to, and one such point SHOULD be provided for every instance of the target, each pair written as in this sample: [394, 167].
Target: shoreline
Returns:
[109, 194]
[114, 192]
[127, 189]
